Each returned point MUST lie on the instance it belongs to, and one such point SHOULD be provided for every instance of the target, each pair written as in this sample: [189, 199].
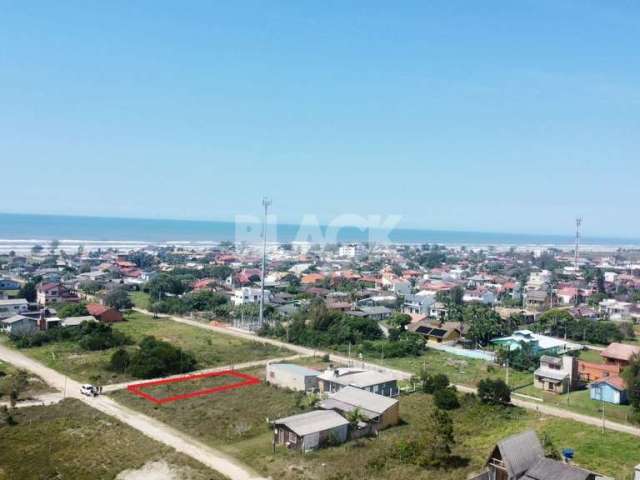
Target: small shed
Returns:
[311, 430]
[609, 389]
[295, 377]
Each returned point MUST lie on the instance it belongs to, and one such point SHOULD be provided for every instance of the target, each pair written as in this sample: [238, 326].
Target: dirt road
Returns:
[150, 427]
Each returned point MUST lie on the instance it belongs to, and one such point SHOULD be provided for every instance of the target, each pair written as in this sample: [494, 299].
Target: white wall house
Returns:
[352, 250]
[249, 295]
[615, 310]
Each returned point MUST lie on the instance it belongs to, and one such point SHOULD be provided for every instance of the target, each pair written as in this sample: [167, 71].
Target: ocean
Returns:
[21, 231]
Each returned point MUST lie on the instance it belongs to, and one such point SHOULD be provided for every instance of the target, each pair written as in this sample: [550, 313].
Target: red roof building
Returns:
[104, 313]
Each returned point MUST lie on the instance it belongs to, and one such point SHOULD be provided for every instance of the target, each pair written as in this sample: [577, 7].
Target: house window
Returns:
[292, 437]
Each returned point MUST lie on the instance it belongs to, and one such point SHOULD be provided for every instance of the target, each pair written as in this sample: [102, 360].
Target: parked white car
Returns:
[89, 390]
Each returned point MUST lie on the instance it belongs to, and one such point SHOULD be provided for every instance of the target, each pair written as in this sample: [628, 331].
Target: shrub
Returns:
[446, 398]
[120, 361]
[433, 383]
[157, 358]
[494, 392]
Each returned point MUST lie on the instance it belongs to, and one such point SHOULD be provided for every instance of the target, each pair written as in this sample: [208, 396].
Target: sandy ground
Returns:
[181, 442]
[159, 470]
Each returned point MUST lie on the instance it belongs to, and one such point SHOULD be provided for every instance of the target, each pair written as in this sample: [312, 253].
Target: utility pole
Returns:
[265, 203]
[578, 224]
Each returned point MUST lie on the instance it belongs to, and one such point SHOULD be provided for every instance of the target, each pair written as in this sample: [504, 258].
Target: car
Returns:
[89, 390]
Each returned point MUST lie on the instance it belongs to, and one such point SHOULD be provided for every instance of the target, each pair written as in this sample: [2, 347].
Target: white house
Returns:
[14, 306]
[615, 310]
[352, 250]
[486, 297]
[249, 295]
[610, 277]
[294, 377]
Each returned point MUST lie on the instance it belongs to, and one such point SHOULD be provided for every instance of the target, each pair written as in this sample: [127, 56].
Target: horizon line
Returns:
[294, 225]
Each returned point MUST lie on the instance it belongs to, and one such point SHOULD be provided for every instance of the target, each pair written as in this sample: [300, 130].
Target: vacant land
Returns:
[460, 370]
[35, 385]
[210, 349]
[223, 417]
[72, 441]
[236, 422]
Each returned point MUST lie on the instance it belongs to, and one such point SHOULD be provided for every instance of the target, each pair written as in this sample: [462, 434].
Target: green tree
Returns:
[441, 442]
[631, 376]
[446, 398]
[157, 358]
[494, 392]
[118, 298]
[72, 310]
[120, 360]
[28, 291]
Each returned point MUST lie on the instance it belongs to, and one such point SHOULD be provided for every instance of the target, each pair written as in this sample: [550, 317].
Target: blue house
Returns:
[609, 389]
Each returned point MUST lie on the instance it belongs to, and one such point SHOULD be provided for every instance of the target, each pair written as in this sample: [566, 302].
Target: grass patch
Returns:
[235, 421]
[34, 387]
[72, 440]
[460, 370]
[210, 349]
[140, 299]
[592, 356]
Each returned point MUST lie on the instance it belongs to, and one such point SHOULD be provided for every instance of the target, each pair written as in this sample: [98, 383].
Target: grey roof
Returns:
[358, 398]
[14, 301]
[551, 373]
[520, 452]
[376, 310]
[356, 377]
[16, 318]
[297, 369]
[539, 295]
[547, 469]
[312, 422]
[74, 321]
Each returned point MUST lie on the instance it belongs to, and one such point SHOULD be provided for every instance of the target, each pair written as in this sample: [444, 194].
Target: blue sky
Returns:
[490, 116]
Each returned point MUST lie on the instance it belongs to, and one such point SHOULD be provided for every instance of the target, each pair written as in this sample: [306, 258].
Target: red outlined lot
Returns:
[245, 381]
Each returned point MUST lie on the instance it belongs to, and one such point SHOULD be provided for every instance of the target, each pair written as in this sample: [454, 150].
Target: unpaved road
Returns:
[529, 405]
[150, 427]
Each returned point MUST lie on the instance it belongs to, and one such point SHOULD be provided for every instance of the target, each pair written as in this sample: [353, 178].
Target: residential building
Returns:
[539, 343]
[378, 411]
[104, 314]
[536, 299]
[615, 310]
[249, 295]
[590, 372]
[48, 293]
[291, 376]
[437, 332]
[334, 379]
[610, 390]
[556, 374]
[418, 304]
[311, 430]
[352, 250]
[521, 457]
[619, 354]
[487, 297]
[14, 306]
[8, 284]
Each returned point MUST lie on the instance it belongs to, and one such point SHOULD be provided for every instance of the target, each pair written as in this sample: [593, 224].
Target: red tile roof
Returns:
[96, 309]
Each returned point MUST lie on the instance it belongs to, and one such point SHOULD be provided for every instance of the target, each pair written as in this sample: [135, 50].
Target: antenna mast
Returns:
[578, 225]
[266, 203]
